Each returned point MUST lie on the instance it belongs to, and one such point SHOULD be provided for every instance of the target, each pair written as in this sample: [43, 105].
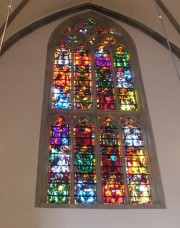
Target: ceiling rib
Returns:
[169, 15]
[77, 9]
[14, 14]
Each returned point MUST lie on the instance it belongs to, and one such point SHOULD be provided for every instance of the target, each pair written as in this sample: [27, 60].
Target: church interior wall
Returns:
[22, 73]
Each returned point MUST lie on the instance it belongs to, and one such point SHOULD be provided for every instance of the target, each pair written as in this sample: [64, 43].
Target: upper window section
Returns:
[92, 70]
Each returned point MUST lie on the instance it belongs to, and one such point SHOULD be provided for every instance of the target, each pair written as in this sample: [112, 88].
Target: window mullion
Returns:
[46, 155]
[124, 165]
[93, 78]
[72, 78]
[72, 184]
[114, 80]
[120, 129]
[96, 132]
[98, 161]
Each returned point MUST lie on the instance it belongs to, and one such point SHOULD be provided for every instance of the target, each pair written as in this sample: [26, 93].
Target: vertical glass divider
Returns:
[72, 184]
[114, 80]
[98, 161]
[123, 164]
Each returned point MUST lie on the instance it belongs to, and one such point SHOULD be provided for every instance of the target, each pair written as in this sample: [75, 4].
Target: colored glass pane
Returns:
[104, 81]
[82, 79]
[59, 163]
[111, 164]
[136, 165]
[72, 38]
[100, 30]
[85, 176]
[124, 81]
[87, 27]
[92, 27]
[110, 40]
[61, 78]
[90, 22]
[83, 30]
[68, 30]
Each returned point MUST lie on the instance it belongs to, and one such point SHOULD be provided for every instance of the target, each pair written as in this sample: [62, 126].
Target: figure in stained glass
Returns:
[137, 175]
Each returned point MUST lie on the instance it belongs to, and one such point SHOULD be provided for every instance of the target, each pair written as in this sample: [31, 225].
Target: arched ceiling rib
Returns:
[173, 6]
[141, 11]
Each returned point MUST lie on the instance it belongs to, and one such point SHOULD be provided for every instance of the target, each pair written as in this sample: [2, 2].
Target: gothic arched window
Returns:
[95, 143]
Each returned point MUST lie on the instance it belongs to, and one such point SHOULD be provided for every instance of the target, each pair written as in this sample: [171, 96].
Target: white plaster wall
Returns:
[22, 71]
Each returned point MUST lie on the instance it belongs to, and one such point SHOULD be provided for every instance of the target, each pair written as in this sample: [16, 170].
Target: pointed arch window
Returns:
[94, 135]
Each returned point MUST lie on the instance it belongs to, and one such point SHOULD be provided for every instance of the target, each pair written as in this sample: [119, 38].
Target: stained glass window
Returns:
[97, 146]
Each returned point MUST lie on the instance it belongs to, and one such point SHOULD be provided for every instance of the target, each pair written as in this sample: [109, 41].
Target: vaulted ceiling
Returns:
[143, 12]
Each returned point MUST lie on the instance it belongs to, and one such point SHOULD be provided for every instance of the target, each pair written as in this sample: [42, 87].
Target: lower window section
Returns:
[58, 193]
[97, 161]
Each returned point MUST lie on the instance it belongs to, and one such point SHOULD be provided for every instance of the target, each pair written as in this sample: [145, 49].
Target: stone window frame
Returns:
[142, 113]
